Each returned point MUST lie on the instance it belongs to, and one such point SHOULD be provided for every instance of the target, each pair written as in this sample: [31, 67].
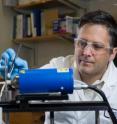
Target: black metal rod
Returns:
[51, 117]
[96, 117]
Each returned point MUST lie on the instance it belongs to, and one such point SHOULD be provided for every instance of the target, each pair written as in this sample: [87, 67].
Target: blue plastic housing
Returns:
[46, 81]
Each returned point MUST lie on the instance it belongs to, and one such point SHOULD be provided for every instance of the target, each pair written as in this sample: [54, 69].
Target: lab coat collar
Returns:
[110, 76]
[110, 80]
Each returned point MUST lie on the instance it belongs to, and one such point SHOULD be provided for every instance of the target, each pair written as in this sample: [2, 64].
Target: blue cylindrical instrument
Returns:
[46, 81]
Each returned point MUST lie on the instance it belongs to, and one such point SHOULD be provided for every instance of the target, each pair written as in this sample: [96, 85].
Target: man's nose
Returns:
[88, 50]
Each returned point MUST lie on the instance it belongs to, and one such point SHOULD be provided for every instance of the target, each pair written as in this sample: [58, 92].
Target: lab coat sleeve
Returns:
[60, 62]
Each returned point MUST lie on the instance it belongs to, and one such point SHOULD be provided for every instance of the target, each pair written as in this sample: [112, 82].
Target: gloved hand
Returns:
[6, 61]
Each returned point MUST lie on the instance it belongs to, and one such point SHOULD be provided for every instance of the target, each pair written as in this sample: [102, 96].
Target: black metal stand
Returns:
[23, 104]
[56, 106]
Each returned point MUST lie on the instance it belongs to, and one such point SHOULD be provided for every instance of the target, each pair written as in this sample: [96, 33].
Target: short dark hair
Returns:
[102, 18]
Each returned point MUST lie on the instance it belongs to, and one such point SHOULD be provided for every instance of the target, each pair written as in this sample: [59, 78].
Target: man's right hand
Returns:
[7, 58]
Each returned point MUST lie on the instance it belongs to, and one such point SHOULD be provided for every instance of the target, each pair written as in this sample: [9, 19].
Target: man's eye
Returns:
[83, 44]
[97, 46]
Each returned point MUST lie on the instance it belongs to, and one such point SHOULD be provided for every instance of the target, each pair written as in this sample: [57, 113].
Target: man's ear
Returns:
[113, 54]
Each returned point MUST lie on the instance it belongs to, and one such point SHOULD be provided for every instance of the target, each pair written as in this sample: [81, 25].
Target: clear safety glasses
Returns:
[95, 46]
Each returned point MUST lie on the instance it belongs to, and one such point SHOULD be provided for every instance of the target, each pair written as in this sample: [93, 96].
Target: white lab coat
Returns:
[85, 117]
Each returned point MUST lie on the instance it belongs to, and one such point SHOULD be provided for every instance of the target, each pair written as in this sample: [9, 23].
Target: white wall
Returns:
[106, 5]
[5, 27]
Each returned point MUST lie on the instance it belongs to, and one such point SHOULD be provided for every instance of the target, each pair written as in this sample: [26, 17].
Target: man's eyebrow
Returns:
[97, 42]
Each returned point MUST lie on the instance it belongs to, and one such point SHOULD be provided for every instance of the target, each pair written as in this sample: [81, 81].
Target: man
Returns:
[95, 49]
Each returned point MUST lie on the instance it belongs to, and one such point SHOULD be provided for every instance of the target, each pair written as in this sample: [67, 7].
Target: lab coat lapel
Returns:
[110, 79]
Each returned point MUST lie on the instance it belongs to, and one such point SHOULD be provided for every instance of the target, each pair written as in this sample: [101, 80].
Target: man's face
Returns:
[90, 59]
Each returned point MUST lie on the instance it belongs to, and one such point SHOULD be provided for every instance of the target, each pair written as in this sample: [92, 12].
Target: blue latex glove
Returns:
[7, 58]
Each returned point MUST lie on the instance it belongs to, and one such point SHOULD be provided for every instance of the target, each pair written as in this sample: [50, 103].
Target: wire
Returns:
[12, 65]
[2, 90]
[107, 115]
